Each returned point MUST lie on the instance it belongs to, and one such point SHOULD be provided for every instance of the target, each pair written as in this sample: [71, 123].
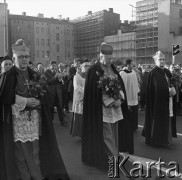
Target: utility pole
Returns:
[5, 29]
[132, 32]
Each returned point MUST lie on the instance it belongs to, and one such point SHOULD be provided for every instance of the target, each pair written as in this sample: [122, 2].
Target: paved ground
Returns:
[70, 148]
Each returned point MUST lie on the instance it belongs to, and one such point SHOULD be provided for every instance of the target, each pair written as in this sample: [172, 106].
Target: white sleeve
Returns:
[20, 104]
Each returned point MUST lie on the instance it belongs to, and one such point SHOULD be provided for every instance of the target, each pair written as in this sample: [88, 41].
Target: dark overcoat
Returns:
[93, 150]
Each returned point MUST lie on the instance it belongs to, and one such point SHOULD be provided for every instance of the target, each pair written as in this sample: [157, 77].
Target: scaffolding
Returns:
[146, 30]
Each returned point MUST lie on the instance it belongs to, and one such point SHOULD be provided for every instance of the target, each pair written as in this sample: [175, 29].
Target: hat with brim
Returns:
[85, 64]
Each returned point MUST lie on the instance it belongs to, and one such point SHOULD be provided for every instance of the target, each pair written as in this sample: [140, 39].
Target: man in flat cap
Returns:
[159, 118]
[26, 153]
[106, 130]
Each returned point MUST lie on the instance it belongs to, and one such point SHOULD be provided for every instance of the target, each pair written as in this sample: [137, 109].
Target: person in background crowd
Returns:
[79, 84]
[175, 70]
[6, 64]
[40, 68]
[54, 79]
[106, 129]
[132, 89]
[159, 124]
[25, 152]
[30, 65]
[72, 72]
[64, 86]
[143, 89]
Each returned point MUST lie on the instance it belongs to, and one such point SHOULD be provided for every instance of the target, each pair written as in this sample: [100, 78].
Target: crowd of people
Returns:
[104, 100]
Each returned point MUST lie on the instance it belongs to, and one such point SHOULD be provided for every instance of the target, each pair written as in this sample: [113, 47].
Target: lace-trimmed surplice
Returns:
[25, 122]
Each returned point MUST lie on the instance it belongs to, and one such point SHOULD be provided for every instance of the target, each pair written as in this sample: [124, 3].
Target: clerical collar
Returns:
[127, 71]
[105, 65]
[21, 69]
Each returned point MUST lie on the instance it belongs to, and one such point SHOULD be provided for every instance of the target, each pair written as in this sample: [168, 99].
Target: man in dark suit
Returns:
[55, 93]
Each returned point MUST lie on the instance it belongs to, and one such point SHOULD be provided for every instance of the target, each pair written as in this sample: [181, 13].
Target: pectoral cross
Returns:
[27, 84]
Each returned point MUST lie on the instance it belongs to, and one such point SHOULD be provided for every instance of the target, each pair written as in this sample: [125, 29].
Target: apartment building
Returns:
[48, 38]
[91, 30]
[3, 29]
[158, 23]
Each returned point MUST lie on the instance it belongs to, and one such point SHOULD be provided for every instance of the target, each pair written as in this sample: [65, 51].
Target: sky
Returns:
[70, 8]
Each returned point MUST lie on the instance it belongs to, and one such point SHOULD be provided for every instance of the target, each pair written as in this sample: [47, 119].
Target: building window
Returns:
[47, 53]
[37, 30]
[42, 54]
[37, 41]
[42, 30]
[47, 42]
[57, 36]
[42, 42]
[47, 30]
[68, 54]
[57, 48]
[68, 43]
[57, 58]
[37, 53]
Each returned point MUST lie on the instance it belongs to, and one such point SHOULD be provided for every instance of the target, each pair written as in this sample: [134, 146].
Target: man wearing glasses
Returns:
[26, 133]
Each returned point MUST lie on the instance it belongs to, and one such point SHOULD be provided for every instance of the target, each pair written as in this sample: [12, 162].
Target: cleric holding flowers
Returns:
[23, 147]
[106, 126]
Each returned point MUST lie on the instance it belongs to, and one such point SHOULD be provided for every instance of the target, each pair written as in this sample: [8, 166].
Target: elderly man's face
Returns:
[40, 67]
[22, 59]
[54, 67]
[6, 65]
[106, 59]
[77, 64]
[160, 62]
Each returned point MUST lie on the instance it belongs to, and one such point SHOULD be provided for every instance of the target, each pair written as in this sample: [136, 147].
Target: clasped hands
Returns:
[32, 102]
[116, 103]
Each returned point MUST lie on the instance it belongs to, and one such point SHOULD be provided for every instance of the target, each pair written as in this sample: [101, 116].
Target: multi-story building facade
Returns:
[48, 38]
[123, 45]
[158, 23]
[3, 29]
[91, 30]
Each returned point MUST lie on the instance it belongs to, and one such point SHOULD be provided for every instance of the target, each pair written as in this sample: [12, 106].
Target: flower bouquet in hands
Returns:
[176, 78]
[37, 86]
[111, 87]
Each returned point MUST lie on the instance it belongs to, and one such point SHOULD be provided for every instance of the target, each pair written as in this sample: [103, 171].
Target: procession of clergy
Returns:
[28, 145]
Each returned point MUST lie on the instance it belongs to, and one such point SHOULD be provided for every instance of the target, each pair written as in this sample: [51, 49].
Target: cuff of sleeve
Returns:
[20, 104]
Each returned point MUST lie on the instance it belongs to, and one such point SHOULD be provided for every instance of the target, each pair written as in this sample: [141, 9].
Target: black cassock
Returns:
[51, 163]
[93, 152]
[157, 119]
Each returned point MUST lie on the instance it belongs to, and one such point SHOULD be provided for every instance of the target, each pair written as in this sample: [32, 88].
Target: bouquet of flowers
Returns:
[37, 86]
[111, 87]
[176, 78]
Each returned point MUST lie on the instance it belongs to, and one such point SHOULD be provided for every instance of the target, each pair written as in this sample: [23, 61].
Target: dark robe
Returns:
[51, 163]
[157, 120]
[143, 88]
[93, 147]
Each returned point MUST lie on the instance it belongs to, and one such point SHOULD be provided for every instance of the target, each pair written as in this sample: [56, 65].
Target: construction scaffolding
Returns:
[146, 30]
[91, 29]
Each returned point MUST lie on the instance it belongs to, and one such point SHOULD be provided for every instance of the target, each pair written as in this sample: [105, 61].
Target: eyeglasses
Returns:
[21, 56]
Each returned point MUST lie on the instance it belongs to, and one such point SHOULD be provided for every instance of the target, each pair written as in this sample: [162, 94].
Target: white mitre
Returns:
[158, 55]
